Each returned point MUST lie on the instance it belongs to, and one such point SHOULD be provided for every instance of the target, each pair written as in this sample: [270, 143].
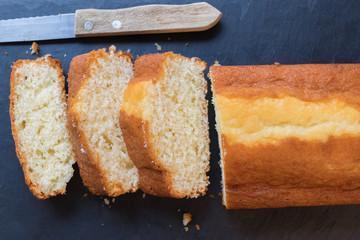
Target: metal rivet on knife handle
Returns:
[88, 25]
[116, 24]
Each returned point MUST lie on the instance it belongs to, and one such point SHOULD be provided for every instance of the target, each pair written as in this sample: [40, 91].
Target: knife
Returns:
[145, 19]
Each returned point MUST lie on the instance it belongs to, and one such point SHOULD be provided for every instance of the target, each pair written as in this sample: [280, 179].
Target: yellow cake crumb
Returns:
[186, 219]
[34, 48]
[112, 48]
[197, 227]
[158, 47]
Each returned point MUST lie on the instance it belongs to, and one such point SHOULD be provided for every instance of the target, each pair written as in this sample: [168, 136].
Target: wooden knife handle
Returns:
[146, 19]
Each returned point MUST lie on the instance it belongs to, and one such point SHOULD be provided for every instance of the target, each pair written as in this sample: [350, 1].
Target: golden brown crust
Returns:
[149, 67]
[291, 172]
[54, 63]
[309, 82]
[153, 176]
[90, 171]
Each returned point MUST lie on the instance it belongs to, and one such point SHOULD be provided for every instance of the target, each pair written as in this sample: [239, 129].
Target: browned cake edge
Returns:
[245, 185]
[153, 177]
[308, 82]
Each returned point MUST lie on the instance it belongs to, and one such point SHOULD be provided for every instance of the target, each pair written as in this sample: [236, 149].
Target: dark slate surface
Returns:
[250, 32]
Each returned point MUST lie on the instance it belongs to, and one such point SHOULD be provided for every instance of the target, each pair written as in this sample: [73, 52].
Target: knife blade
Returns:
[147, 19]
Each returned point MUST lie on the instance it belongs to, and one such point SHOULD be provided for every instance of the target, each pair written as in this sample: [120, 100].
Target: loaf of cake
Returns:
[289, 134]
[39, 125]
[97, 81]
[165, 125]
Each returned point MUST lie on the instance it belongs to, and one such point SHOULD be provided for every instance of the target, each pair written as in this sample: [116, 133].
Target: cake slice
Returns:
[165, 125]
[39, 125]
[289, 134]
[97, 81]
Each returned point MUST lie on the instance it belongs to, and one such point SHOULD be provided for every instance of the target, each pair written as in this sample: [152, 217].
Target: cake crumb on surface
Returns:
[112, 48]
[216, 63]
[113, 200]
[178, 210]
[106, 201]
[186, 218]
[212, 196]
[85, 195]
[34, 48]
[158, 47]
[197, 227]
[6, 53]
[143, 195]
[186, 229]
[102, 224]
[187, 44]
[277, 63]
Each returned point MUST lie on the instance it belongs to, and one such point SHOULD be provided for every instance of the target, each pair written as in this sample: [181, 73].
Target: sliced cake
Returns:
[97, 81]
[39, 125]
[165, 125]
